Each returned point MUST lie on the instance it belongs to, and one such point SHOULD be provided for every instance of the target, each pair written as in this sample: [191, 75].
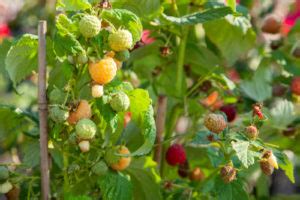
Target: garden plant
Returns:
[149, 99]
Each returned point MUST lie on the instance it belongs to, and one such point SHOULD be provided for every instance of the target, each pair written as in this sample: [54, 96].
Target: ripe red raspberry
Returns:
[230, 112]
[257, 111]
[175, 155]
[295, 85]
[215, 123]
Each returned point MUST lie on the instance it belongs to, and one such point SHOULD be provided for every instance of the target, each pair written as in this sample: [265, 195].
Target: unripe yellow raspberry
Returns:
[120, 40]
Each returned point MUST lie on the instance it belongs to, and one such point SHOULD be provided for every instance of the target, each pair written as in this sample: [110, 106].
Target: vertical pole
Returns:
[43, 110]
[160, 127]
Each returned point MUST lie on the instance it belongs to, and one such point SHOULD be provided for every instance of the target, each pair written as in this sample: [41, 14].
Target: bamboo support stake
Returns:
[43, 110]
[160, 127]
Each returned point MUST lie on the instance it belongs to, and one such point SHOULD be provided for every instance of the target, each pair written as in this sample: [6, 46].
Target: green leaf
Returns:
[164, 83]
[13, 122]
[21, 58]
[282, 113]
[73, 197]
[232, 4]
[148, 129]
[235, 39]
[72, 5]
[143, 8]
[115, 186]
[108, 114]
[259, 88]
[285, 164]
[31, 153]
[65, 45]
[200, 17]
[65, 25]
[144, 184]
[230, 191]
[60, 75]
[4, 48]
[121, 18]
[139, 102]
[245, 155]
[201, 59]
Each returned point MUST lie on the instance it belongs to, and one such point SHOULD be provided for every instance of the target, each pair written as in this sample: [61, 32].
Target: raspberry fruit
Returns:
[103, 71]
[85, 129]
[183, 169]
[56, 96]
[58, 115]
[84, 146]
[122, 55]
[83, 111]
[120, 102]
[97, 91]
[257, 111]
[5, 187]
[196, 175]
[271, 25]
[120, 40]
[268, 162]
[265, 167]
[89, 26]
[100, 168]
[215, 123]
[4, 174]
[82, 58]
[295, 85]
[127, 118]
[175, 155]
[251, 132]
[115, 161]
[228, 173]
[230, 112]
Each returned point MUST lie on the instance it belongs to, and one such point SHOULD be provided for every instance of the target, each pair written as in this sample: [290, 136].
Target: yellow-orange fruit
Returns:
[83, 111]
[103, 71]
[123, 162]
[196, 175]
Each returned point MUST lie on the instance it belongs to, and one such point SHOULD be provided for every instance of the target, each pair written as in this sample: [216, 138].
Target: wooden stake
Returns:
[43, 110]
[160, 127]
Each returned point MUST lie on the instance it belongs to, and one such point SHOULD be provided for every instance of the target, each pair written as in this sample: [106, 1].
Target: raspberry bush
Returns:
[155, 100]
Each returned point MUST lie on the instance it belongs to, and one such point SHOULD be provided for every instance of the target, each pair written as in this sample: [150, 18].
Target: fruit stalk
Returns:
[160, 127]
[43, 111]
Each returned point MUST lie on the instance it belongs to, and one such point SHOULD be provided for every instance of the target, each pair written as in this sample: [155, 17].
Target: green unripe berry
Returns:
[85, 129]
[120, 102]
[56, 96]
[4, 174]
[120, 40]
[89, 26]
[82, 58]
[100, 168]
[122, 55]
[58, 115]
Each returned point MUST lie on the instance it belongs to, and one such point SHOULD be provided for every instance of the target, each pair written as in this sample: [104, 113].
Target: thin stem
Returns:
[180, 61]
[160, 127]
[43, 111]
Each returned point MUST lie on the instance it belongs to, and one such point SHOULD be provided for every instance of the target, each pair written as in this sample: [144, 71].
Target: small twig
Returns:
[160, 127]
[43, 110]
